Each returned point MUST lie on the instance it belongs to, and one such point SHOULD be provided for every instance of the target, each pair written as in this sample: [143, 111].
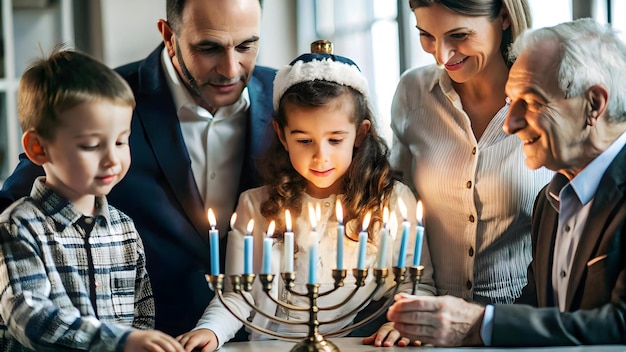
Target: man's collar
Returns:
[180, 94]
[585, 183]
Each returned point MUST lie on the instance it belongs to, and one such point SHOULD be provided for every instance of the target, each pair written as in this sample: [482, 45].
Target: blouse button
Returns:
[212, 175]
[471, 251]
[563, 274]
[326, 204]
[469, 284]
[468, 184]
[471, 218]
[474, 151]
[567, 228]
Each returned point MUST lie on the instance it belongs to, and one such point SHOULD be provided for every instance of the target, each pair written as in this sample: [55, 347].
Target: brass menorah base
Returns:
[314, 341]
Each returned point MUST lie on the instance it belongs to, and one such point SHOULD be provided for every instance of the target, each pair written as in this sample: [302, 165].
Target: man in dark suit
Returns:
[202, 112]
[568, 106]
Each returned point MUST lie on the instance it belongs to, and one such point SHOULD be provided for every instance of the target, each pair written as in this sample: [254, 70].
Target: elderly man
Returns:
[202, 112]
[568, 106]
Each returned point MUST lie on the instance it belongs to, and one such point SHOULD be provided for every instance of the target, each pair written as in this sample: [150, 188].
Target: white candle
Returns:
[248, 246]
[214, 244]
[288, 242]
[363, 242]
[267, 249]
[405, 234]
[419, 235]
[384, 234]
[312, 247]
[340, 234]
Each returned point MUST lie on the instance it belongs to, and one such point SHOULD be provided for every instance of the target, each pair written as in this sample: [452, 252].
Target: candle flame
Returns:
[270, 228]
[211, 217]
[250, 226]
[318, 212]
[402, 208]
[288, 220]
[312, 218]
[385, 216]
[366, 221]
[233, 219]
[419, 212]
[339, 212]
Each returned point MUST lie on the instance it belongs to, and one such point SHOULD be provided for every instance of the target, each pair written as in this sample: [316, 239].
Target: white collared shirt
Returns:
[215, 143]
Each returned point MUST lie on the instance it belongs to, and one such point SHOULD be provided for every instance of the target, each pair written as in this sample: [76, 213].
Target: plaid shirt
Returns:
[68, 281]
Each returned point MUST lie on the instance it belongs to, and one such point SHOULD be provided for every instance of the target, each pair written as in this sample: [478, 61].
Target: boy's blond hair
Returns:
[63, 80]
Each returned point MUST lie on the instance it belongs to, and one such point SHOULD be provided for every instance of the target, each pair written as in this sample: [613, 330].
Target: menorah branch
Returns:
[416, 276]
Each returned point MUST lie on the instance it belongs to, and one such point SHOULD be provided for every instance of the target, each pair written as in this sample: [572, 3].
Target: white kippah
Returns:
[321, 67]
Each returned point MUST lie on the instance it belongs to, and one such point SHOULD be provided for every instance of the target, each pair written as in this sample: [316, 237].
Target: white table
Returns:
[352, 344]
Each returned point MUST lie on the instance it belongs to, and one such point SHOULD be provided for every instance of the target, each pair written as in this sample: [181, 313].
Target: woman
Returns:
[449, 144]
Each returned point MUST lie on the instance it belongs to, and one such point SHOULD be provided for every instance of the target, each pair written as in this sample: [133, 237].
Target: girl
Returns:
[326, 149]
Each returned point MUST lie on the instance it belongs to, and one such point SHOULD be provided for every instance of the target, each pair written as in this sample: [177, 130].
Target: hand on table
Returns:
[203, 340]
[441, 321]
[387, 336]
[151, 340]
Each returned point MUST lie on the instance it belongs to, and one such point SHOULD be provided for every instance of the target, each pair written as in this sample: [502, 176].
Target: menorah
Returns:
[315, 341]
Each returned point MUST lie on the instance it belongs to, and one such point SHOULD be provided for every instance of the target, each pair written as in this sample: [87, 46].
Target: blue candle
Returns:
[312, 248]
[214, 244]
[405, 235]
[419, 236]
[248, 245]
[267, 249]
[363, 242]
[340, 234]
[288, 242]
[313, 258]
[384, 234]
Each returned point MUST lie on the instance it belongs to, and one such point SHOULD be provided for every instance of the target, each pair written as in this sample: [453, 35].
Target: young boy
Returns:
[72, 268]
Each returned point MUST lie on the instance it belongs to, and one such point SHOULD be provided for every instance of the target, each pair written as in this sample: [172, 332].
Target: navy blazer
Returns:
[596, 294]
[159, 191]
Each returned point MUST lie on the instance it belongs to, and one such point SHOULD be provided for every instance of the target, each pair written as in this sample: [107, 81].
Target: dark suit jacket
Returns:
[160, 194]
[596, 294]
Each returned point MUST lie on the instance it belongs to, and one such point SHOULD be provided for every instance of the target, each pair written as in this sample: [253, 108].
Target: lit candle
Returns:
[405, 234]
[248, 245]
[312, 247]
[384, 233]
[214, 244]
[363, 242]
[233, 219]
[267, 249]
[340, 234]
[288, 241]
[318, 212]
[419, 235]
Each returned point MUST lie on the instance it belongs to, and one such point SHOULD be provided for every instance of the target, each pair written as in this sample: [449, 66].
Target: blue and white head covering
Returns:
[322, 67]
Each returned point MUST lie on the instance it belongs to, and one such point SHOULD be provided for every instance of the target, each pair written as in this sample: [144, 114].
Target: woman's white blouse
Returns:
[477, 194]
